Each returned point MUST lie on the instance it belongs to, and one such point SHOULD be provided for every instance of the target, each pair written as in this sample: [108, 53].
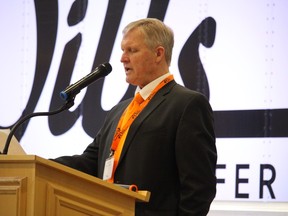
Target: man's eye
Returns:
[132, 50]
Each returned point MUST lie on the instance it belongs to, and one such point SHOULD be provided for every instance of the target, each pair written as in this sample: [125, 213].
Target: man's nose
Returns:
[123, 58]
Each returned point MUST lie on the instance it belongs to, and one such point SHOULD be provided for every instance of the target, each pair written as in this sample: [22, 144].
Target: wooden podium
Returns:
[33, 186]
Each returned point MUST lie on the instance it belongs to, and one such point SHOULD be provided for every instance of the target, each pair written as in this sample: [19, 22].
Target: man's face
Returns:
[138, 59]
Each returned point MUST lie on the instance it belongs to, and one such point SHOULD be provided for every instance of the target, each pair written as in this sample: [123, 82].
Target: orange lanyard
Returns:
[121, 129]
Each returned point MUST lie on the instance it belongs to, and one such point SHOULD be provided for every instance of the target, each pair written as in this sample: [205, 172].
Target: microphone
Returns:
[73, 89]
[68, 94]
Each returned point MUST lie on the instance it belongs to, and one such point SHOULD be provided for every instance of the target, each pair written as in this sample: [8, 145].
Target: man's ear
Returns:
[160, 53]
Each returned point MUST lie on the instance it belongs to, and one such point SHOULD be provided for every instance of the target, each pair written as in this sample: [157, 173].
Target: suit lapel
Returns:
[159, 97]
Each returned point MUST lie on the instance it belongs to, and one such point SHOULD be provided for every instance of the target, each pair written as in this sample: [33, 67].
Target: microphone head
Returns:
[108, 68]
[73, 89]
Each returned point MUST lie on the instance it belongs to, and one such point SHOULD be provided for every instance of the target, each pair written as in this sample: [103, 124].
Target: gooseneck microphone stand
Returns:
[69, 103]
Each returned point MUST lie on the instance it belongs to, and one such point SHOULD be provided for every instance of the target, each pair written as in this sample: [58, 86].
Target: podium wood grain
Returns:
[33, 186]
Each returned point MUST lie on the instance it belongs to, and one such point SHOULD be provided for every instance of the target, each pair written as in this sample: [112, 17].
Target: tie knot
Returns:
[138, 98]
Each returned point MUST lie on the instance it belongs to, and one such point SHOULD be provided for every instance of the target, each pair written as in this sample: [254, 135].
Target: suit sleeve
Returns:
[196, 157]
[86, 162]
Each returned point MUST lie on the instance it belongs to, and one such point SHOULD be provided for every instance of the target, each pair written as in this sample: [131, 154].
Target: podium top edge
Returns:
[15, 158]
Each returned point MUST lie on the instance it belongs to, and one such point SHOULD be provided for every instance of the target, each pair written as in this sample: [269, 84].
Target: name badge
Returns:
[108, 169]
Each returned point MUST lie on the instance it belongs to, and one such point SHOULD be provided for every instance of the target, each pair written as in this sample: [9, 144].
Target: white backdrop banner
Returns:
[234, 52]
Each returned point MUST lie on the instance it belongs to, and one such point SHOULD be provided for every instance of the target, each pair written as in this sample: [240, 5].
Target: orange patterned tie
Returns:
[132, 108]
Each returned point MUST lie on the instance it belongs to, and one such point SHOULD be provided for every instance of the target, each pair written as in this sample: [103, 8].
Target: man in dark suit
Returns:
[168, 145]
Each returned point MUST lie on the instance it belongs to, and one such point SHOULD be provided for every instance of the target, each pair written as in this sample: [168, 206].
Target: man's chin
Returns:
[128, 79]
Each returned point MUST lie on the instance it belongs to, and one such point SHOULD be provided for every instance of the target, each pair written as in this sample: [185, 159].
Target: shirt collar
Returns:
[146, 90]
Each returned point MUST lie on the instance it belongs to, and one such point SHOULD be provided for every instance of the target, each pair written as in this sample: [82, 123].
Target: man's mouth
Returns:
[127, 69]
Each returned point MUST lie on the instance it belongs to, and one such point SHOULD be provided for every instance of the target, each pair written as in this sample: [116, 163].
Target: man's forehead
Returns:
[132, 38]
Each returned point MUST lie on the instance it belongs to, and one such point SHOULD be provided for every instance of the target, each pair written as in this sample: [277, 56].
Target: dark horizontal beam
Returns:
[251, 123]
